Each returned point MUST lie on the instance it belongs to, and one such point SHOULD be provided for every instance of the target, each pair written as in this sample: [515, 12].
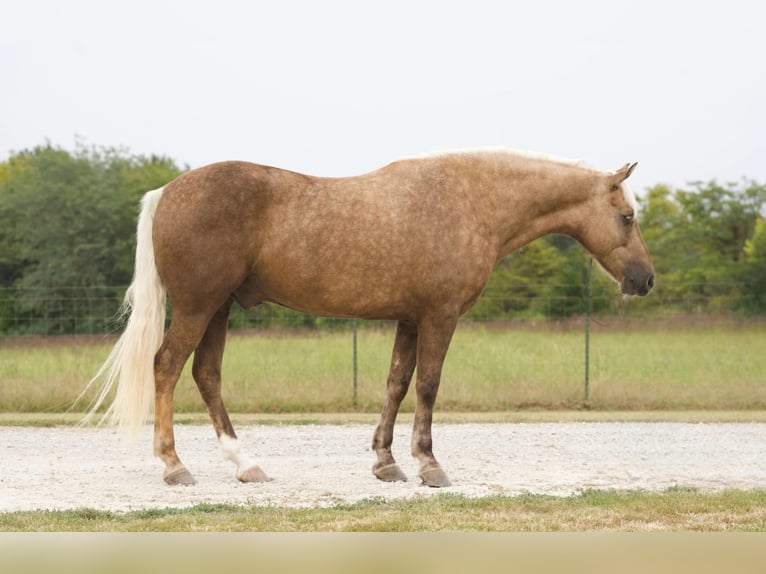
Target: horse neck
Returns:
[530, 201]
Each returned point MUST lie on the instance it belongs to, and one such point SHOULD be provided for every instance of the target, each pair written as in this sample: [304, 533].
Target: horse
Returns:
[414, 241]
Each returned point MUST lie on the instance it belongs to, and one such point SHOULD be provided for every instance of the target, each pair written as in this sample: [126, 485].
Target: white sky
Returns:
[335, 87]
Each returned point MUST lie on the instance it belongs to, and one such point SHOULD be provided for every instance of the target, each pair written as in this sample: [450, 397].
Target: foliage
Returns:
[754, 273]
[699, 240]
[67, 222]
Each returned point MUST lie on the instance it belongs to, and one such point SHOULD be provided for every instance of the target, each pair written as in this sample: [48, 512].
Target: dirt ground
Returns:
[323, 465]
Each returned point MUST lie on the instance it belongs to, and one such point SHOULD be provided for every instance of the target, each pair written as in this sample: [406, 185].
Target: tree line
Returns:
[67, 229]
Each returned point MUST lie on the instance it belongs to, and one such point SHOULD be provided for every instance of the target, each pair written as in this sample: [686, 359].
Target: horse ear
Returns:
[624, 172]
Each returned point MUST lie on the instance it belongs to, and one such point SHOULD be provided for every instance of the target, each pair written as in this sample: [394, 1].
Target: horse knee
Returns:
[397, 388]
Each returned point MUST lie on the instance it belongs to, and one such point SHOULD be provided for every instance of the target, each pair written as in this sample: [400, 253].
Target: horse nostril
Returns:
[650, 281]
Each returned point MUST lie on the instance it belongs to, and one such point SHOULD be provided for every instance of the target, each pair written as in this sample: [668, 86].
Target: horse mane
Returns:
[502, 151]
[627, 192]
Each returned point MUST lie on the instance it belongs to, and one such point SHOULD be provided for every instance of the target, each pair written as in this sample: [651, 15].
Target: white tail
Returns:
[131, 362]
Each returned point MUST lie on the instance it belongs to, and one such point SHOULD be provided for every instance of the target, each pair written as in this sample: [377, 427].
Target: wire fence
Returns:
[53, 312]
[95, 310]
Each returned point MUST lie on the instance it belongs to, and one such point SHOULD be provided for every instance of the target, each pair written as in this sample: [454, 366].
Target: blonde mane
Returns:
[500, 151]
[627, 192]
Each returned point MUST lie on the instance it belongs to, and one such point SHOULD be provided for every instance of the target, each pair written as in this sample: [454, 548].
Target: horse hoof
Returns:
[389, 473]
[434, 477]
[178, 476]
[252, 474]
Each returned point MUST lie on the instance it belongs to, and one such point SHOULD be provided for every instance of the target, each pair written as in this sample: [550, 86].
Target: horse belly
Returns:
[331, 294]
[392, 283]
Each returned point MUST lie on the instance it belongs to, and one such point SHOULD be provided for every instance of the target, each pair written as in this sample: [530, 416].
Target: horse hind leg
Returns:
[206, 371]
[179, 342]
[400, 375]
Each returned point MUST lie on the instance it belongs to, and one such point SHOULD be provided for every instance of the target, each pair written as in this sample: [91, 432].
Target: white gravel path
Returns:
[322, 465]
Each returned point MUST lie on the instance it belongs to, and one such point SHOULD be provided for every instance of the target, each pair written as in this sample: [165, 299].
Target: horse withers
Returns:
[414, 241]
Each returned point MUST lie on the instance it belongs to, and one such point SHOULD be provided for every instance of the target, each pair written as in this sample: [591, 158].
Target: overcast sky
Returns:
[335, 87]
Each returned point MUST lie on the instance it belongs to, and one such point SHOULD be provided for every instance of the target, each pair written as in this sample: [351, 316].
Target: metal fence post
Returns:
[354, 322]
[586, 294]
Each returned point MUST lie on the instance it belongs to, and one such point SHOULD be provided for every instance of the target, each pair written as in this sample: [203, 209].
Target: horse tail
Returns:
[131, 362]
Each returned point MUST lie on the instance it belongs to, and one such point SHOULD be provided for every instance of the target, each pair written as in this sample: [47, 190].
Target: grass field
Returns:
[632, 511]
[487, 370]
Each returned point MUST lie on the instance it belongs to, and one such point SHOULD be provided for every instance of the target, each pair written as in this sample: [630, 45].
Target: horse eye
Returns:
[628, 217]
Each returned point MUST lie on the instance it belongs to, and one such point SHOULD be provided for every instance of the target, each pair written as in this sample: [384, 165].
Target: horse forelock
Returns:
[630, 197]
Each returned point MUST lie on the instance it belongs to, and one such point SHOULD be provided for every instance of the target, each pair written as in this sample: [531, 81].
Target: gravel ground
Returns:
[323, 465]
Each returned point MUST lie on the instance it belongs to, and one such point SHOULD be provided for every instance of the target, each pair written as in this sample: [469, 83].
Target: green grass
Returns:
[486, 371]
[677, 509]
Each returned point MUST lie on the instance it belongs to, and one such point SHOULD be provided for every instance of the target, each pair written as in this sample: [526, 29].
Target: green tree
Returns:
[68, 223]
[661, 220]
[754, 273]
[697, 239]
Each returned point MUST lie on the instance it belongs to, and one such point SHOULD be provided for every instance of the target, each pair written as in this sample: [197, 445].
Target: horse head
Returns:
[612, 235]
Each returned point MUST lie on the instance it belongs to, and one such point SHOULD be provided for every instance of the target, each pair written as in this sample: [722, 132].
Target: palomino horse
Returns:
[414, 241]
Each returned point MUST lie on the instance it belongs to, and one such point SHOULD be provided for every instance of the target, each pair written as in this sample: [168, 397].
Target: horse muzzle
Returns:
[637, 282]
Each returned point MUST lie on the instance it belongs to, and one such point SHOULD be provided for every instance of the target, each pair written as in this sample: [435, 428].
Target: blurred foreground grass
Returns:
[677, 509]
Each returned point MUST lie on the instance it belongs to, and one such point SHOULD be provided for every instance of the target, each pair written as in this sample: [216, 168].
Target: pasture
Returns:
[487, 370]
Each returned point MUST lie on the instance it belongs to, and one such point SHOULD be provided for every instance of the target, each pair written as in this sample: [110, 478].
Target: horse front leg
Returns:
[206, 370]
[400, 374]
[434, 336]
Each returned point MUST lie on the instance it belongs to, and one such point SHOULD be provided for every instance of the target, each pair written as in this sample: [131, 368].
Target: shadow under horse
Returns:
[414, 241]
